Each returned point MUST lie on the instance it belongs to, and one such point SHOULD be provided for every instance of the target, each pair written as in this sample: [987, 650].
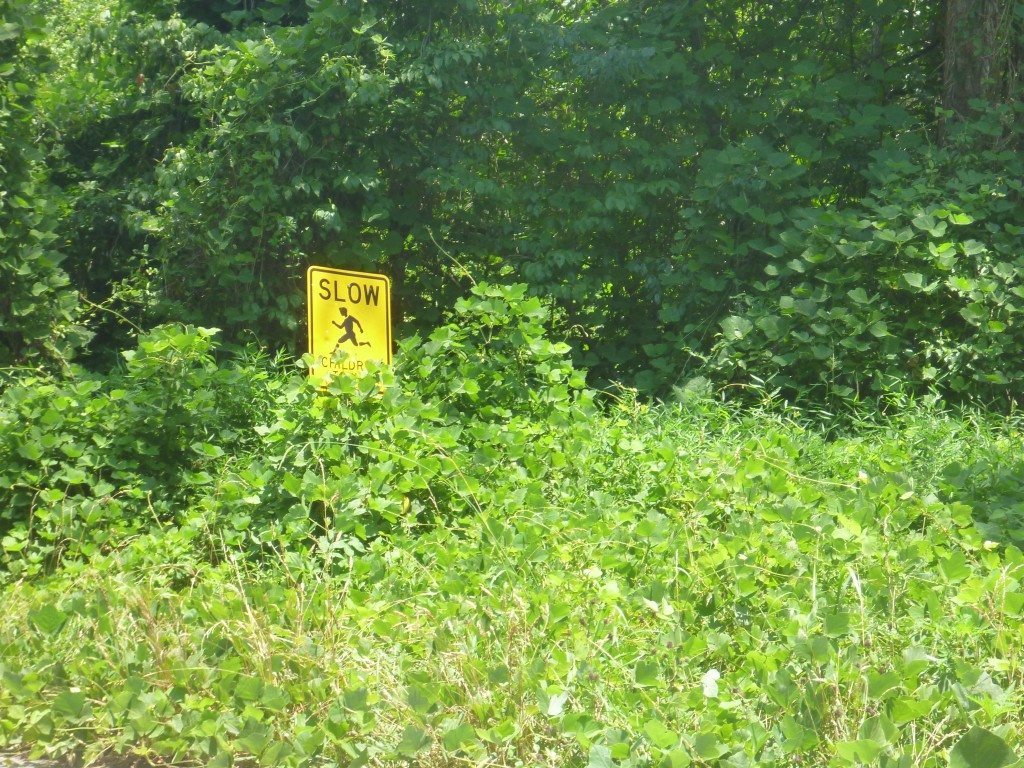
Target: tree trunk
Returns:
[980, 48]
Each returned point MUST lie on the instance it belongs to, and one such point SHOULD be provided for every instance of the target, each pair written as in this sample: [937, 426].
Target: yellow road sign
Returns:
[347, 312]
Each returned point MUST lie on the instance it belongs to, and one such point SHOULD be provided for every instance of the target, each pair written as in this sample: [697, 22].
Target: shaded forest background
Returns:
[826, 197]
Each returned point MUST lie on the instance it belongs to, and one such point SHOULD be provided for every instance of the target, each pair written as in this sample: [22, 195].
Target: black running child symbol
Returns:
[349, 325]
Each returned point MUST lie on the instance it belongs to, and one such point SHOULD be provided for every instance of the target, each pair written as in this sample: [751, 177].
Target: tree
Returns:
[38, 307]
[982, 54]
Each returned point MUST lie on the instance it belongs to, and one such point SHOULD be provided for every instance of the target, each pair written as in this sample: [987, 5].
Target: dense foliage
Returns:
[733, 190]
[100, 459]
[196, 572]
[208, 557]
[37, 306]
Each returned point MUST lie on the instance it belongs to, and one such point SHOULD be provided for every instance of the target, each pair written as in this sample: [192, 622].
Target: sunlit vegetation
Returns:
[700, 445]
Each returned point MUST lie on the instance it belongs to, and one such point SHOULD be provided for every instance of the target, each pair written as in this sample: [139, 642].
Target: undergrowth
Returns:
[465, 561]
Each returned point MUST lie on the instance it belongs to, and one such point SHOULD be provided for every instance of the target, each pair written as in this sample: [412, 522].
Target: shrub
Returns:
[89, 461]
[267, 457]
[920, 287]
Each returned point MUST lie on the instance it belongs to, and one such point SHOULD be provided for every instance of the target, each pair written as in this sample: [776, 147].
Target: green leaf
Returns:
[861, 751]
[955, 567]
[924, 221]
[837, 624]
[859, 295]
[9, 31]
[974, 312]
[48, 619]
[906, 710]
[458, 736]
[600, 757]
[879, 329]
[646, 673]
[708, 746]
[659, 735]
[420, 700]
[356, 700]
[913, 279]
[973, 247]
[980, 748]
[69, 704]
[275, 699]
[677, 758]
[736, 327]
[249, 688]
[880, 684]
[556, 704]
[414, 740]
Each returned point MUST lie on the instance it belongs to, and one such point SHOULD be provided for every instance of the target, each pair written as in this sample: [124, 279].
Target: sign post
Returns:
[347, 312]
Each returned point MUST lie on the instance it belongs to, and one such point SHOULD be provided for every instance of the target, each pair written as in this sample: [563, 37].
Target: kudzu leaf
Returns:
[980, 748]
[414, 740]
[859, 295]
[459, 735]
[924, 221]
[600, 757]
[69, 704]
[906, 710]
[660, 736]
[859, 751]
[48, 619]
[708, 746]
[248, 688]
[955, 568]
[736, 327]
[275, 698]
[677, 758]
[879, 684]
[646, 673]
[973, 312]
[913, 279]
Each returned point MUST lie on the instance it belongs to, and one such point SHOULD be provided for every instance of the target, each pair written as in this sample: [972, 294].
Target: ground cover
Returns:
[466, 561]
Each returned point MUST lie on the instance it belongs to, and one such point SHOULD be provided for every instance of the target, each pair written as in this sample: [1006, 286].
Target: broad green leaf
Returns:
[660, 735]
[414, 740]
[646, 673]
[913, 279]
[924, 221]
[881, 684]
[458, 736]
[249, 688]
[275, 699]
[48, 619]
[70, 704]
[974, 312]
[859, 295]
[677, 758]
[736, 327]
[955, 567]
[905, 710]
[708, 746]
[860, 751]
[600, 757]
[980, 748]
